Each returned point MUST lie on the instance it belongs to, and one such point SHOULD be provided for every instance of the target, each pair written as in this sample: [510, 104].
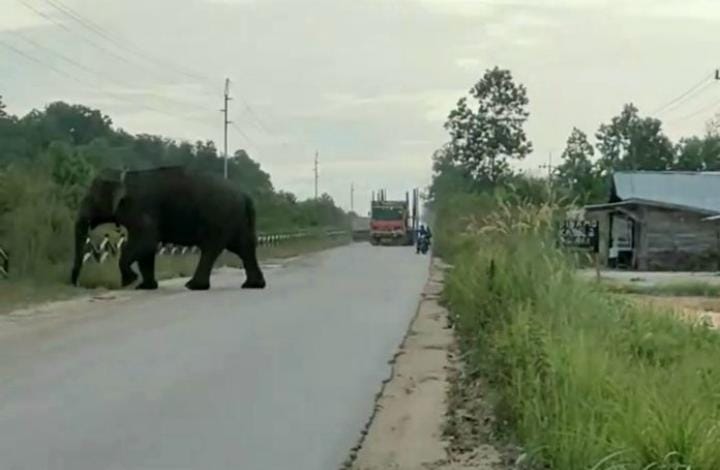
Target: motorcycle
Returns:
[423, 244]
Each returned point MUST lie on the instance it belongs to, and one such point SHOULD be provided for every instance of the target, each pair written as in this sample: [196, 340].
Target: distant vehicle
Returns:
[393, 222]
[360, 228]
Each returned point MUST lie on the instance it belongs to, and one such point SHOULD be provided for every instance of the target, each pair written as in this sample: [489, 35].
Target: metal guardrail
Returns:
[4, 263]
[99, 253]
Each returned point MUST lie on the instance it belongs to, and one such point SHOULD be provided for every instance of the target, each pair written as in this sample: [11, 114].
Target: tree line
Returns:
[49, 156]
[486, 135]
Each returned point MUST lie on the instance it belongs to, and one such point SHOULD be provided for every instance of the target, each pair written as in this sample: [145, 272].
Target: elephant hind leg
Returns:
[201, 278]
[246, 250]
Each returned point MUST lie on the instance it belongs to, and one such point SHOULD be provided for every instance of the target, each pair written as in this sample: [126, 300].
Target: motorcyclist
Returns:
[423, 232]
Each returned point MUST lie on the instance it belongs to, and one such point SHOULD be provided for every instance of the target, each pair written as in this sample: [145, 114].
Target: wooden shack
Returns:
[660, 221]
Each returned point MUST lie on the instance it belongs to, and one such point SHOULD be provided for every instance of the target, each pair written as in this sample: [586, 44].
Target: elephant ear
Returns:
[119, 193]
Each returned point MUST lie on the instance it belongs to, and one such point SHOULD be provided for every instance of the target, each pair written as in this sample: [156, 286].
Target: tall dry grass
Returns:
[584, 379]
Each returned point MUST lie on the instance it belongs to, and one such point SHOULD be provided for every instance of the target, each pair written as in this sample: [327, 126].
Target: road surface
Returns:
[227, 379]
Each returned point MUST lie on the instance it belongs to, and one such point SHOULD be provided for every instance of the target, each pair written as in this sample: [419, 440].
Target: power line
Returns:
[21, 53]
[699, 86]
[71, 31]
[98, 30]
[97, 74]
[61, 72]
[105, 50]
[243, 134]
[255, 117]
[702, 110]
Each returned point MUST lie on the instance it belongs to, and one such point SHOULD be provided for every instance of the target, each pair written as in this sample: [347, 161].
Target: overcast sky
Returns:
[368, 83]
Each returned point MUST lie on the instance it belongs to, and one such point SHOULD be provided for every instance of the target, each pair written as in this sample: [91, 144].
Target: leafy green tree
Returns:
[448, 176]
[70, 171]
[698, 153]
[577, 175]
[149, 150]
[3, 113]
[14, 144]
[75, 124]
[630, 142]
[488, 134]
[248, 174]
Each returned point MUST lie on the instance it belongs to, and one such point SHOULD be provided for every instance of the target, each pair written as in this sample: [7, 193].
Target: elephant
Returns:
[170, 205]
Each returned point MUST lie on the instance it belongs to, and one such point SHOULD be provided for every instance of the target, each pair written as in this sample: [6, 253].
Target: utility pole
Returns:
[316, 175]
[549, 167]
[225, 125]
[352, 197]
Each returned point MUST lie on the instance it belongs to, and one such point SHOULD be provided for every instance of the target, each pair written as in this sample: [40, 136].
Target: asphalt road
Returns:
[227, 379]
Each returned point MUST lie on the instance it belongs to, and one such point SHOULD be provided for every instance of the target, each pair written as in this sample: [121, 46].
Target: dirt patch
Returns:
[410, 427]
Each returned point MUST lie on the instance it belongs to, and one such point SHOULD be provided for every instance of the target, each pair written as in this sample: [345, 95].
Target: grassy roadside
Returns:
[18, 293]
[581, 378]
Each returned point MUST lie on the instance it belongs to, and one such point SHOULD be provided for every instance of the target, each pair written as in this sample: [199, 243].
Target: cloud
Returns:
[368, 83]
[15, 16]
[469, 63]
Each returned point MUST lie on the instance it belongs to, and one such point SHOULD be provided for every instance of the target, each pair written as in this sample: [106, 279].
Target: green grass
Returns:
[583, 379]
[22, 292]
[670, 289]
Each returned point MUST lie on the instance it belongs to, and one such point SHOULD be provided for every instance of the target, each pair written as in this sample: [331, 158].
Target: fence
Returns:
[111, 246]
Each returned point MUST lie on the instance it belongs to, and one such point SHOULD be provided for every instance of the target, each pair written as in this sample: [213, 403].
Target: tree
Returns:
[698, 153]
[75, 124]
[14, 144]
[51, 155]
[577, 174]
[484, 140]
[248, 175]
[448, 176]
[630, 142]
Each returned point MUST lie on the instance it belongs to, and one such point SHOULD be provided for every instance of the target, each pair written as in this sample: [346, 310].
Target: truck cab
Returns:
[389, 223]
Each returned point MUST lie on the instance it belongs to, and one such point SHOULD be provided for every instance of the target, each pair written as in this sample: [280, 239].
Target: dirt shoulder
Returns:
[408, 429]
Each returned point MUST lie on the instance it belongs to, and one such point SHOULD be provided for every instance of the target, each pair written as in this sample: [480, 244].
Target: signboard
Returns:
[579, 234]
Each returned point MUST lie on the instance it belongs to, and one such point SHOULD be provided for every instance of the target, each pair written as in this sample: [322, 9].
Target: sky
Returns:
[366, 83]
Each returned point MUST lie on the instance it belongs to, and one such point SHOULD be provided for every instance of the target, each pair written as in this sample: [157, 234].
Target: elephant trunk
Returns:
[82, 227]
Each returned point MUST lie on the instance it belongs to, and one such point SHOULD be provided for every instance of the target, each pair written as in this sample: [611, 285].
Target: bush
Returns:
[35, 223]
[586, 380]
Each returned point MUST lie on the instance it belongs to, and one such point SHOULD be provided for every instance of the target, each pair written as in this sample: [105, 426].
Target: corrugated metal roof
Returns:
[694, 190]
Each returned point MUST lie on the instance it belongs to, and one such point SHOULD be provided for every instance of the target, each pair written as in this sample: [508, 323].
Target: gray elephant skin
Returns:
[170, 205]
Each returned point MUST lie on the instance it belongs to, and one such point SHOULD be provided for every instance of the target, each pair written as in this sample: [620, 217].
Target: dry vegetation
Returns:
[582, 378]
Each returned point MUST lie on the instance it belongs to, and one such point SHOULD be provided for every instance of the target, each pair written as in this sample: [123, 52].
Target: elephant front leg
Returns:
[147, 269]
[127, 274]
[201, 278]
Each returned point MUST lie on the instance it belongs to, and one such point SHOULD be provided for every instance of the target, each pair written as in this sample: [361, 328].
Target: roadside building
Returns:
[660, 221]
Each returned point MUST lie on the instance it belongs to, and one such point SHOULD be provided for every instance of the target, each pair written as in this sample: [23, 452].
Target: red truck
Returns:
[391, 222]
